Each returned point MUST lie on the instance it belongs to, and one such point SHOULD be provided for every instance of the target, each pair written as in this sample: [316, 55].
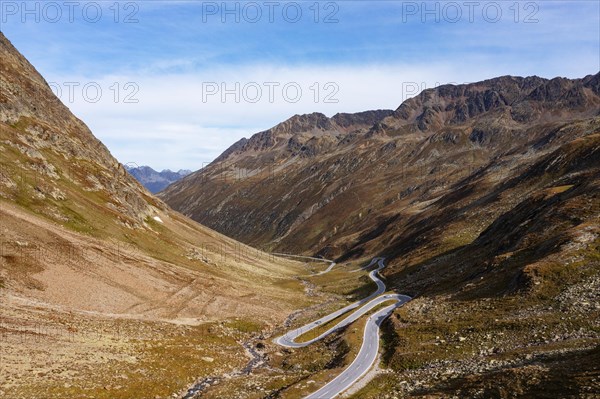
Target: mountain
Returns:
[484, 200]
[104, 290]
[155, 181]
[337, 185]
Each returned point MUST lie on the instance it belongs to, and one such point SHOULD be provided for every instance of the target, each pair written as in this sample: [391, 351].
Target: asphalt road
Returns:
[309, 257]
[327, 270]
[289, 338]
[365, 358]
[370, 346]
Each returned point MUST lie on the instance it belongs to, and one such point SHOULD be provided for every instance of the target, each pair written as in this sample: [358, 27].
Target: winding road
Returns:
[331, 266]
[370, 346]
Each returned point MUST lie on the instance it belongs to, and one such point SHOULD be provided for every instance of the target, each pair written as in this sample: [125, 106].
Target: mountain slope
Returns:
[516, 305]
[309, 185]
[96, 268]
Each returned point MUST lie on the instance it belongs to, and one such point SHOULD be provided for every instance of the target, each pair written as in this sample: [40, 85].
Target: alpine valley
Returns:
[448, 248]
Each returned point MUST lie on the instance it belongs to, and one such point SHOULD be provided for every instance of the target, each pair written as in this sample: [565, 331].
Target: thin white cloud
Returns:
[174, 125]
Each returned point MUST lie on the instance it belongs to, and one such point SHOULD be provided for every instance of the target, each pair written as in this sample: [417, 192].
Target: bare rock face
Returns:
[347, 184]
[53, 143]
[521, 100]
[305, 135]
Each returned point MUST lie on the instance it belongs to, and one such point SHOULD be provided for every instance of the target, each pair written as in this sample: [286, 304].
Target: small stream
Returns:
[206, 382]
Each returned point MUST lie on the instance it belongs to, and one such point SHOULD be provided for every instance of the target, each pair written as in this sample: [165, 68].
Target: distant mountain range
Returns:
[156, 181]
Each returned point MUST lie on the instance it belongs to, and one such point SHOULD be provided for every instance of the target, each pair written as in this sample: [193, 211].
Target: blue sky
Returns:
[154, 72]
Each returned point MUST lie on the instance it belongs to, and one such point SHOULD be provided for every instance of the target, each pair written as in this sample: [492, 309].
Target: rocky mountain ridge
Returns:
[512, 99]
[305, 134]
[309, 167]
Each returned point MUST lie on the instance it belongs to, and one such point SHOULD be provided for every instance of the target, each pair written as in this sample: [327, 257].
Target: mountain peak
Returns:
[306, 134]
[302, 123]
[511, 98]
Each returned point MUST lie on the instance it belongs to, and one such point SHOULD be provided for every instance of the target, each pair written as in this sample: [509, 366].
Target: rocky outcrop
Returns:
[521, 100]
